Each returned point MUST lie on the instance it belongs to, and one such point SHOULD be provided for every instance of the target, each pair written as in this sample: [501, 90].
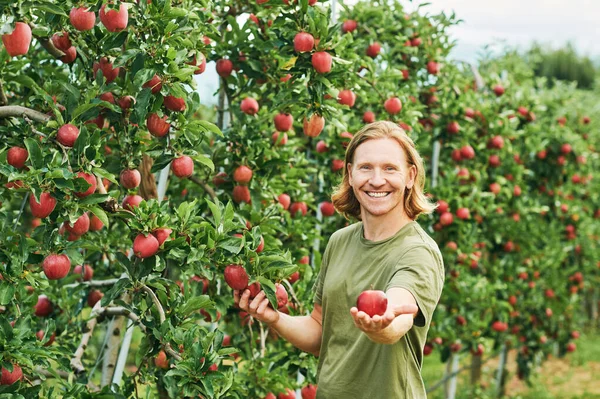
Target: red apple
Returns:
[303, 42]
[114, 20]
[183, 166]
[162, 235]
[17, 42]
[175, 104]
[91, 180]
[313, 126]
[161, 360]
[372, 302]
[463, 213]
[85, 271]
[9, 378]
[224, 67]
[241, 194]
[347, 97]
[131, 201]
[236, 277]
[284, 200]
[43, 307]
[130, 178]
[154, 84]
[467, 152]
[56, 266]
[373, 50]
[321, 61]
[349, 25]
[93, 297]
[298, 206]
[106, 68]
[369, 117]
[288, 394]
[201, 67]
[393, 105]
[327, 209]
[242, 174]
[67, 135]
[249, 106]
[43, 208]
[453, 127]
[145, 246]
[80, 227]
[496, 142]
[61, 41]
[157, 126]
[81, 19]
[277, 141]
[498, 90]
[337, 164]
[321, 147]
[16, 156]
[40, 335]
[283, 122]
[433, 67]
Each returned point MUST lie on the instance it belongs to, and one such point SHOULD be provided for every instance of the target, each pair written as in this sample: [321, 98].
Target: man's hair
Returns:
[415, 201]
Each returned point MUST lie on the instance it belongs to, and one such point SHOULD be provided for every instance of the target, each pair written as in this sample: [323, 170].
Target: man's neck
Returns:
[379, 228]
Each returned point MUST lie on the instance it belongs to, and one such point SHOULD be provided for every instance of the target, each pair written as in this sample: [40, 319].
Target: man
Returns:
[359, 356]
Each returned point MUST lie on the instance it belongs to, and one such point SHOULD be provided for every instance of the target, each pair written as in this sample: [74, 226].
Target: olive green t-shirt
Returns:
[351, 366]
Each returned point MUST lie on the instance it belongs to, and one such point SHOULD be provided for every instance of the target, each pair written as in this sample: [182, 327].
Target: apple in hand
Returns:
[372, 302]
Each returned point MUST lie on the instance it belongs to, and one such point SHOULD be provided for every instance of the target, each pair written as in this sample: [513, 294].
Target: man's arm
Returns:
[304, 332]
[395, 323]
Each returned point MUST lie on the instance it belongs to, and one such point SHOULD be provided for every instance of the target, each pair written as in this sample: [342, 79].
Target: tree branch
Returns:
[47, 44]
[204, 186]
[162, 318]
[94, 283]
[98, 312]
[76, 364]
[8, 111]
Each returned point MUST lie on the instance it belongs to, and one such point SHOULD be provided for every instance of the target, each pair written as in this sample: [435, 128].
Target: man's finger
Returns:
[405, 309]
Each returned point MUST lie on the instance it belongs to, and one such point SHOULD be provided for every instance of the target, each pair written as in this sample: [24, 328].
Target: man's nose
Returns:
[377, 178]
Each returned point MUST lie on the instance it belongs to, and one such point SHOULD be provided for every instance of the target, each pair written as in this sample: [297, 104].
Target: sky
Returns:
[520, 23]
[504, 22]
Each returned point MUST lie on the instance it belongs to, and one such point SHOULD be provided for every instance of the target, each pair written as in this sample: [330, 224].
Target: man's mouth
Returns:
[377, 194]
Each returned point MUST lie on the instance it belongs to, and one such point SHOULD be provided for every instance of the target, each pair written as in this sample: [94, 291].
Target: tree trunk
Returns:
[148, 184]
[476, 370]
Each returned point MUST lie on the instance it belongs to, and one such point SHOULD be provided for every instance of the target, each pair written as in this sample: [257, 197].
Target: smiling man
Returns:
[387, 250]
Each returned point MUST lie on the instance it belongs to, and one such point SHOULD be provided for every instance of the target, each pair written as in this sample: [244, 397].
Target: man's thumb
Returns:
[405, 309]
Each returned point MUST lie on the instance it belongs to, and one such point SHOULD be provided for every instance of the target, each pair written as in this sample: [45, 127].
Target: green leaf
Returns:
[126, 56]
[7, 293]
[94, 199]
[35, 153]
[51, 8]
[269, 288]
[100, 214]
[204, 160]
[216, 212]
[210, 127]
[82, 109]
[196, 303]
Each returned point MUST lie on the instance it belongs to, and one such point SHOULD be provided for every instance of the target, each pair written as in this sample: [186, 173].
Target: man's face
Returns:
[379, 176]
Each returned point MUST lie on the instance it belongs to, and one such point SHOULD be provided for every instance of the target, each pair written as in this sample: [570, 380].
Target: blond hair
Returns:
[415, 201]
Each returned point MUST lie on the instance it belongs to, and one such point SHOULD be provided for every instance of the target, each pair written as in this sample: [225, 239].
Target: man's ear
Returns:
[349, 171]
[412, 176]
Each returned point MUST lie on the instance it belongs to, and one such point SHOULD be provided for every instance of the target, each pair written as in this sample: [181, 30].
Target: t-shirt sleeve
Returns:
[421, 272]
[318, 287]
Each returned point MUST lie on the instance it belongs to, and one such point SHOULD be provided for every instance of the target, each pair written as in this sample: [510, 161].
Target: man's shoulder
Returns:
[419, 238]
[345, 233]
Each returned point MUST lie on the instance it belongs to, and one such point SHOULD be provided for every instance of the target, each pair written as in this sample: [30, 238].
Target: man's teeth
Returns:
[377, 195]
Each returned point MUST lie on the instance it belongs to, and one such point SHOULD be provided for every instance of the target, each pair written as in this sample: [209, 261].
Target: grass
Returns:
[572, 377]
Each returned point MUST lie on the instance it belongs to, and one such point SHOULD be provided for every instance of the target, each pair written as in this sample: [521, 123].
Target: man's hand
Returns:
[259, 307]
[378, 323]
